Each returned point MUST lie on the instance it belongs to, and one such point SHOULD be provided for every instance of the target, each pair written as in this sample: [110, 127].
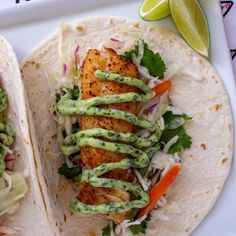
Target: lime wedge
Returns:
[152, 10]
[192, 24]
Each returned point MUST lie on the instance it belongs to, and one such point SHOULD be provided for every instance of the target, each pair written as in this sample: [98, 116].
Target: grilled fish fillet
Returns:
[91, 157]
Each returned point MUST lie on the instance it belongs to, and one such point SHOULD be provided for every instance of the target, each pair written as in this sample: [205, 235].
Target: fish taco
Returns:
[20, 197]
[132, 129]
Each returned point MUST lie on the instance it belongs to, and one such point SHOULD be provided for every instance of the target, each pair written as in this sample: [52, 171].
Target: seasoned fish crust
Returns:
[91, 157]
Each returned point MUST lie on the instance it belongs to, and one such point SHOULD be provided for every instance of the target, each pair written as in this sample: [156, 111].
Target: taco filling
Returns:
[128, 115]
[121, 135]
[13, 186]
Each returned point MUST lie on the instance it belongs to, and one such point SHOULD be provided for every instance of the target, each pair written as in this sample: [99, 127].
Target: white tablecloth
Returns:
[228, 11]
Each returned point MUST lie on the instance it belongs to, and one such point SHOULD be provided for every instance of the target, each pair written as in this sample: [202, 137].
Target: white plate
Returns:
[26, 25]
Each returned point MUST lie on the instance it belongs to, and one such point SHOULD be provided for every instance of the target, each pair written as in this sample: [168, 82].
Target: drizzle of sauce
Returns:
[7, 135]
[137, 157]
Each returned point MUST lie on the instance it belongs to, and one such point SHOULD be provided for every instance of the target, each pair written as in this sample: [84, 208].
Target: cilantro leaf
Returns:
[58, 97]
[75, 127]
[74, 92]
[69, 173]
[184, 141]
[129, 54]
[169, 116]
[134, 213]
[64, 133]
[106, 231]
[152, 61]
[172, 121]
[136, 229]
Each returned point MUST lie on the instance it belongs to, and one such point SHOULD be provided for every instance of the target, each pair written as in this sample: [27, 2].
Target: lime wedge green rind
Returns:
[152, 10]
[192, 24]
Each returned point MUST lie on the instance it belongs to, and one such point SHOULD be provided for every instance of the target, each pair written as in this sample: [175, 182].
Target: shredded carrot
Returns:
[160, 188]
[163, 87]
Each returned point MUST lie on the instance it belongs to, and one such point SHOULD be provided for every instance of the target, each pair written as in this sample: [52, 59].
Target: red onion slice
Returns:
[64, 69]
[150, 105]
[114, 43]
[116, 40]
[9, 157]
[76, 55]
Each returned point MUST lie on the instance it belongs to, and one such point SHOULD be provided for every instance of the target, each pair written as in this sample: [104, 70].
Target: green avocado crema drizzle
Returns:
[137, 158]
[7, 135]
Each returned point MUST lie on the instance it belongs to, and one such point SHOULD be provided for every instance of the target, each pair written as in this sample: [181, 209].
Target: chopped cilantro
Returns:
[69, 173]
[58, 97]
[3, 100]
[169, 116]
[114, 225]
[74, 92]
[129, 54]
[2, 117]
[141, 228]
[75, 127]
[152, 61]
[150, 152]
[106, 231]
[184, 141]
[134, 213]
[64, 133]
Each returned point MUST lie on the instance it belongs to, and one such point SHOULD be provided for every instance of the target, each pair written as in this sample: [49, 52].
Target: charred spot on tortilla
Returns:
[37, 65]
[136, 25]
[203, 146]
[80, 29]
[187, 230]
[224, 160]
[218, 106]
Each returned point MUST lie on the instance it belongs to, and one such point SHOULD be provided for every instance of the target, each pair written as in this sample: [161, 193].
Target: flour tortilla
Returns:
[30, 218]
[197, 90]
